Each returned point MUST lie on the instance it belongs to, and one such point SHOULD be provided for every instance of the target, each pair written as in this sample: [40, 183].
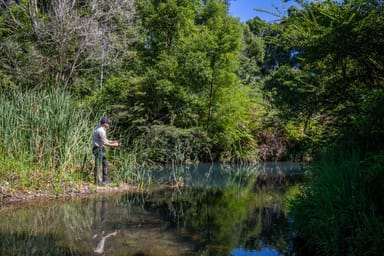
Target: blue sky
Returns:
[244, 9]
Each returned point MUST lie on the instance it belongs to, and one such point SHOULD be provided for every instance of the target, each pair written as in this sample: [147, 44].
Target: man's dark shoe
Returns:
[100, 184]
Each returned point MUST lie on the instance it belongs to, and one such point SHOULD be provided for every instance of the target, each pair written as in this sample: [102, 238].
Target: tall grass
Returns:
[129, 170]
[42, 132]
[340, 212]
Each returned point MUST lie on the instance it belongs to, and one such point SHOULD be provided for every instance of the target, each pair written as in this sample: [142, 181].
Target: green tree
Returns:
[339, 47]
[187, 66]
[336, 66]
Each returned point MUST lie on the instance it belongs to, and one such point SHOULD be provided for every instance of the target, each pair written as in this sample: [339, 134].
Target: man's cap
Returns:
[105, 120]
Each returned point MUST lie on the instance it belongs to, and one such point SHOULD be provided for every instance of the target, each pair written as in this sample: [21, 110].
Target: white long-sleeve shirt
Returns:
[100, 137]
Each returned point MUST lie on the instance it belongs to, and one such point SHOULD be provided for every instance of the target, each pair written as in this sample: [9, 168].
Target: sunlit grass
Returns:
[44, 135]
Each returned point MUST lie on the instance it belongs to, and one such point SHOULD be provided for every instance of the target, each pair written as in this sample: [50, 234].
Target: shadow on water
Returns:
[216, 210]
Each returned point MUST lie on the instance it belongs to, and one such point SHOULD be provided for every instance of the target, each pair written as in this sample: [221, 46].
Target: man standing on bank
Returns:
[100, 141]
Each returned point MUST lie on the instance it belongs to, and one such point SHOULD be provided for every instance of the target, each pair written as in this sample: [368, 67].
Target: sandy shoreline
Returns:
[9, 198]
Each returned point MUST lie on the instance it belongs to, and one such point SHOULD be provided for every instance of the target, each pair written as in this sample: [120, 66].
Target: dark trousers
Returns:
[100, 161]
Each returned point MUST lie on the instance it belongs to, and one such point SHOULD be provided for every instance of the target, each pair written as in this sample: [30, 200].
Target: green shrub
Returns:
[167, 143]
[340, 211]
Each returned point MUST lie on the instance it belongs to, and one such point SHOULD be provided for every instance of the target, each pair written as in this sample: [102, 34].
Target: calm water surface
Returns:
[219, 210]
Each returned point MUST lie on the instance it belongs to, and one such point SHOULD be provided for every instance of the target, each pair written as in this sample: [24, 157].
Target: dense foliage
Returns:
[185, 81]
[185, 78]
[333, 84]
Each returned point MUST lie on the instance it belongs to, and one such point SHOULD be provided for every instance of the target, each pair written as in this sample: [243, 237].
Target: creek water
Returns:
[207, 209]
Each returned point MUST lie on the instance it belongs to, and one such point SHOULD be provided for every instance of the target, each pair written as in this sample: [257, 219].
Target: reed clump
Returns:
[340, 211]
[45, 136]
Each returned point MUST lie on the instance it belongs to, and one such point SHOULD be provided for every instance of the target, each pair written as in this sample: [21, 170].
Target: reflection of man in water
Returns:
[100, 246]
[101, 225]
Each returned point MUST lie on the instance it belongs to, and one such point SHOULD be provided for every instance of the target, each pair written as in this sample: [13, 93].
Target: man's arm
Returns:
[112, 143]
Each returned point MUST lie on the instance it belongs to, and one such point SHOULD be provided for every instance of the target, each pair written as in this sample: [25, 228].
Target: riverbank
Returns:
[8, 197]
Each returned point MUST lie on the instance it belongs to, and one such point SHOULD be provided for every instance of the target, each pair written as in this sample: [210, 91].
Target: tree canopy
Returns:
[243, 91]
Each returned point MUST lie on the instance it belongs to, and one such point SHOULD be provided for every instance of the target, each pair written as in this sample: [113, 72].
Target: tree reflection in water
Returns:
[219, 211]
